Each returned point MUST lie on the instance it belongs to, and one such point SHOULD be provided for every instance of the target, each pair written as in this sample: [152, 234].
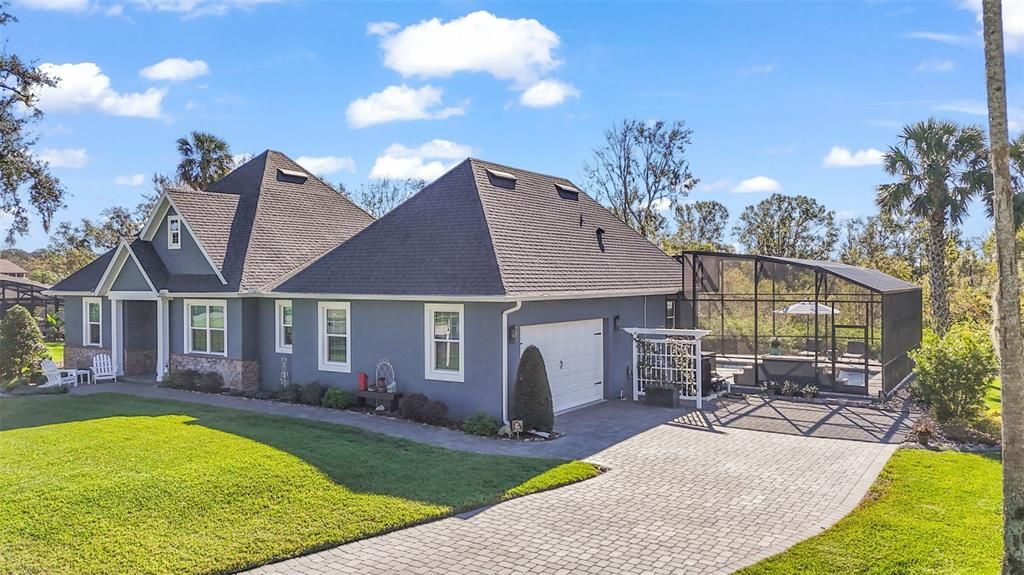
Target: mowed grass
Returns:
[928, 513]
[56, 350]
[994, 400]
[117, 484]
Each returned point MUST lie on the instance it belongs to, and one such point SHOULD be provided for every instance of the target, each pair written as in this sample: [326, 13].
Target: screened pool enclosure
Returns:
[841, 328]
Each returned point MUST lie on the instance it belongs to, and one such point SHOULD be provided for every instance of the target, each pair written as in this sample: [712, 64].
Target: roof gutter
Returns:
[504, 359]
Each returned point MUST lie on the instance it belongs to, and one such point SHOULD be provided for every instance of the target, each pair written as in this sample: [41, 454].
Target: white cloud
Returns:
[130, 180]
[427, 161]
[84, 86]
[757, 184]
[323, 165]
[114, 10]
[758, 70]
[175, 70]
[396, 103]
[662, 204]
[197, 8]
[56, 5]
[715, 186]
[1013, 21]
[518, 50]
[980, 108]
[381, 28]
[936, 65]
[547, 93]
[839, 157]
[239, 159]
[942, 37]
[64, 158]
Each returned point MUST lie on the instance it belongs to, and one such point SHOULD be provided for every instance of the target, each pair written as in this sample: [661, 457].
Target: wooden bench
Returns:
[363, 398]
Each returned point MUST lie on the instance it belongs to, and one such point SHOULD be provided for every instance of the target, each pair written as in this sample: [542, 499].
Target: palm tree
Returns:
[1009, 339]
[941, 166]
[1016, 182]
[204, 160]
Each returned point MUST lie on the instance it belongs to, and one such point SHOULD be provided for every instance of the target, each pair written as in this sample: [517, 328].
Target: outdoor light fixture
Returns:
[617, 323]
[513, 333]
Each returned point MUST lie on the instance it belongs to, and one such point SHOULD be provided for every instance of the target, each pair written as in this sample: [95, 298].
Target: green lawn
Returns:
[928, 513]
[118, 484]
[994, 400]
[56, 350]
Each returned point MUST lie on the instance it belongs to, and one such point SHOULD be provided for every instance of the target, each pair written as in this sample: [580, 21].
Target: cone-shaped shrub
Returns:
[21, 345]
[531, 396]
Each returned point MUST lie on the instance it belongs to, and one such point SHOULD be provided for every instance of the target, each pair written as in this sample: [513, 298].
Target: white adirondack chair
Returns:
[103, 368]
[56, 377]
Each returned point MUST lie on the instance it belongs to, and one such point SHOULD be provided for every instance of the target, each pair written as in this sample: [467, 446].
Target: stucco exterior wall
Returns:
[188, 259]
[618, 345]
[392, 330]
[130, 278]
[73, 323]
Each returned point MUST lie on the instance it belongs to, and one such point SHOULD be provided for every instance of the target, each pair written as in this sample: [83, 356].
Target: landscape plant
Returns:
[312, 393]
[481, 424]
[954, 372]
[337, 398]
[21, 346]
[531, 395]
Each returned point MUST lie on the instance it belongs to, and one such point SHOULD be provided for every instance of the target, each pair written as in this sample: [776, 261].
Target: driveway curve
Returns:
[678, 498]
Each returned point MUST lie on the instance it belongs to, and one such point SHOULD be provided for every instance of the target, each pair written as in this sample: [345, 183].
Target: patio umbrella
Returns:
[806, 308]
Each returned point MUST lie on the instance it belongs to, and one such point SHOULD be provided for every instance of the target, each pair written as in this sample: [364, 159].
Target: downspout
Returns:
[504, 359]
[645, 311]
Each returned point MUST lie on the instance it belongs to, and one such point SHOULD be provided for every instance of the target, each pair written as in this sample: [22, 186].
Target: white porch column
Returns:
[117, 335]
[162, 337]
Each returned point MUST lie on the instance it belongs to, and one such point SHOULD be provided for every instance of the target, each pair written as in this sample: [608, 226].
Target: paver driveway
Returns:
[679, 497]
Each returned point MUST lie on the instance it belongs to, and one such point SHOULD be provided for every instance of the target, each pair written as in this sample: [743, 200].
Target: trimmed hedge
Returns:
[194, 380]
[312, 393]
[21, 346]
[531, 396]
[419, 407]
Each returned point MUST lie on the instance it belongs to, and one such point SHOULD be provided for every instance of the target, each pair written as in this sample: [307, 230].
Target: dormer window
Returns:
[173, 233]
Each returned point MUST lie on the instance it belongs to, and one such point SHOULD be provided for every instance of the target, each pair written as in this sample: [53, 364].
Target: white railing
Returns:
[667, 356]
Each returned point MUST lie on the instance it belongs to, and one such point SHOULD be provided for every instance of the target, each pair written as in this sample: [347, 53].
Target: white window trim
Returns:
[170, 243]
[187, 313]
[279, 344]
[85, 321]
[321, 336]
[429, 372]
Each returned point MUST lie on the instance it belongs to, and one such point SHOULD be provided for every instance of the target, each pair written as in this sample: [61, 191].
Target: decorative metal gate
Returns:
[667, 357]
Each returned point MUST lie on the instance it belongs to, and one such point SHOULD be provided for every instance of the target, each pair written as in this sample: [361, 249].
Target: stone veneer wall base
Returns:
[240, 374]
[81, 357]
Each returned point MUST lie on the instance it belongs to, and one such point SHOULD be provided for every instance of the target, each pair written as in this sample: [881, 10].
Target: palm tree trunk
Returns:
[1009, 341]
[937, 272]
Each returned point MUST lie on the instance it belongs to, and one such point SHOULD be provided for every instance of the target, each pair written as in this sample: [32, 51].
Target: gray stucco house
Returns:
[270, 275]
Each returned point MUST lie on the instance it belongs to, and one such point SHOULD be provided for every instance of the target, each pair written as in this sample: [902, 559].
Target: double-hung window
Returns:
[173, 232]
[283, 313]
[334, 334]
[206, 326]
[445, 351]
[92, 321]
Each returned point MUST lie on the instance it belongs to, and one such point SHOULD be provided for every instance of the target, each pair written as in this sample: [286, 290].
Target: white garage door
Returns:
[574, 357]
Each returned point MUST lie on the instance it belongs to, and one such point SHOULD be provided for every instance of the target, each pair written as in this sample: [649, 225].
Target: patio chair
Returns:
[56, 377]
[810, 347]
[855, 351]
[103, 368]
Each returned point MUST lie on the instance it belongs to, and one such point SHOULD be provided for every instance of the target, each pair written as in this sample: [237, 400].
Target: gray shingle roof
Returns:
[472, 233]
[86, 278]
[255, 224]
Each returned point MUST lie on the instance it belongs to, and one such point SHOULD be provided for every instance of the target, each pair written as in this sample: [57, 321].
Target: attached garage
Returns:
[574, 358]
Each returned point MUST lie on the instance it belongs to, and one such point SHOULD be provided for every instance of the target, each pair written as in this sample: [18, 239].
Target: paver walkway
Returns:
[685, 493]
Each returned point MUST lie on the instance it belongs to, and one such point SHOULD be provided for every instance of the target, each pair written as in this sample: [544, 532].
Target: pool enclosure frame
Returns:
[857, 310]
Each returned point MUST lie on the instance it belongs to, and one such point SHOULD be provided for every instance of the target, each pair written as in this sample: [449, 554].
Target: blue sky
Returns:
[404, 89]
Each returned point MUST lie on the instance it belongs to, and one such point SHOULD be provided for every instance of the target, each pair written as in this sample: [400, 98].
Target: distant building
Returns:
[9, 268]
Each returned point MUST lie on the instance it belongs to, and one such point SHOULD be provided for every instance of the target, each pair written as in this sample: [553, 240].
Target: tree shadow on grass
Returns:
[360, 461]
